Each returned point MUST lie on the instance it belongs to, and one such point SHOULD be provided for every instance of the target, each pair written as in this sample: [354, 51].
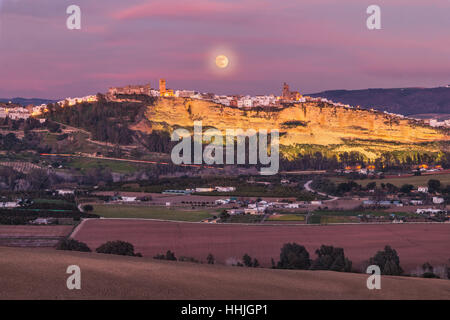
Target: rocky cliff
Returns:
[307, 127]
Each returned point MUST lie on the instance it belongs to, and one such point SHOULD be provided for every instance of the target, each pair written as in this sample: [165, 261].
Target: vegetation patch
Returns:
[153, 212]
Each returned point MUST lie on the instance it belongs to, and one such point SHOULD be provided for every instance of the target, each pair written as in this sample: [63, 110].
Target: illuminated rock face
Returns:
[333, 129]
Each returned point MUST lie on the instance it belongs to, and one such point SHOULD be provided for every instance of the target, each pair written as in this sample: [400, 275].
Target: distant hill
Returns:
[406, 101]
[25, 101]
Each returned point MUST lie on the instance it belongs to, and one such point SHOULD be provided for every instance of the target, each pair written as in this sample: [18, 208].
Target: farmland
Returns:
[34, 236]
[115, 166]
[116, 277]
[415, 243]
[414, 180]
[287, 217]
[151, 212]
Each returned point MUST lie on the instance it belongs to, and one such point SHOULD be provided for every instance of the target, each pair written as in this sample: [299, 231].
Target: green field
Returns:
[147, 212]
[414, 180]
[115, 166]
[287, 217]
[337, 219]
[350, 213]
[245, 218]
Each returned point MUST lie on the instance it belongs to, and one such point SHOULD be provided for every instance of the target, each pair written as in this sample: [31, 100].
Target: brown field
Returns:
[34, 231]
[32, 236]
[41, 274]
[415, 243]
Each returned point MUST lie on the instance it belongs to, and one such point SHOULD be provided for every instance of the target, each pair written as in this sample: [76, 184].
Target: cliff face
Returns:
[333, 129]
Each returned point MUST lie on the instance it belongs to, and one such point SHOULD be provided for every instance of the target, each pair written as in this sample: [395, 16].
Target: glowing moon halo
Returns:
[222, 61]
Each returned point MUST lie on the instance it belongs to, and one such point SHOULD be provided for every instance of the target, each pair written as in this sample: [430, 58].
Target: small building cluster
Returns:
[17, 112]
[200, 190]
[254, 207]
[73, 101]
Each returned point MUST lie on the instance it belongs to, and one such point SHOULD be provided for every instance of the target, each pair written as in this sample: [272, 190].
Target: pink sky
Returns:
[314, 45]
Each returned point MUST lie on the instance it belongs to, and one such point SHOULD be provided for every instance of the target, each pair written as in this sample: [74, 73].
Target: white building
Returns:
[422, 189]
[204, 189]
[63, 192]
[437, 200]
[247, 102]
[184, 93]
[225, 189]
[128, 199]
[9, 204]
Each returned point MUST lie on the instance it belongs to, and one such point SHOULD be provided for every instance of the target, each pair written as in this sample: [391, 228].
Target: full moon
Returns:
[222, 61]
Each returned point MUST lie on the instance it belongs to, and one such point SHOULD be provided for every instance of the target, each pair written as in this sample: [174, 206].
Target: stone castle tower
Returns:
[162, 86]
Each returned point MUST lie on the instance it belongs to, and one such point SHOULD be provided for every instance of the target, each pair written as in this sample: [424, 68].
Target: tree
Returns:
[406, 188]
[210, 259]
[330, 258]
[117, 247]
[88, 208]
[434, 185]
[72, 245]
[391, 188]
[39, 179]
[371, 185]
[428, 271]
[170, 256]
[247, 260]
[294, 256]
[224, 215]
[388, 261]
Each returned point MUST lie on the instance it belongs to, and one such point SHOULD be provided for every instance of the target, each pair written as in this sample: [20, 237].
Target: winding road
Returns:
[307, 187]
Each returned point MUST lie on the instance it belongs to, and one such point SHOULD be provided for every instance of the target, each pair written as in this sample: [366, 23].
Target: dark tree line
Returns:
[106, 121]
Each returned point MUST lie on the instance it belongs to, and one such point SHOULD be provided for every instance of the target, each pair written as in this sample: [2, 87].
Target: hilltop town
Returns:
[248, 102]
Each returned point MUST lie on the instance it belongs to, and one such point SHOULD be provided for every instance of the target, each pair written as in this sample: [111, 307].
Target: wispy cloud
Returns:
[172, 9]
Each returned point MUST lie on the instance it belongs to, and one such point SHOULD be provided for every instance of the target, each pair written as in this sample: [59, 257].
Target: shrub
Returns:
[117, 247]
[388, 261]
[428, 271]
[168, 256]
[72, 245]
[248, 262]
[188, 259]
[210, 259]
[294, 256]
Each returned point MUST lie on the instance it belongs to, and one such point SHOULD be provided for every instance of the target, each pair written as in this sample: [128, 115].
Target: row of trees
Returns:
[292, 256]
[295, 256]
[329, 187]
[111, 247]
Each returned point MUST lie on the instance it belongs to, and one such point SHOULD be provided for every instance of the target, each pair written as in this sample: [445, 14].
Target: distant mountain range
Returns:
[406, 101]
[25, 101]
